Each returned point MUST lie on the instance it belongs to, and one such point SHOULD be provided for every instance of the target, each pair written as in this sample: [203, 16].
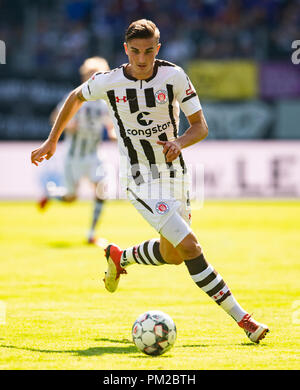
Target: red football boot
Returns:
[253, 329]
[112, 276]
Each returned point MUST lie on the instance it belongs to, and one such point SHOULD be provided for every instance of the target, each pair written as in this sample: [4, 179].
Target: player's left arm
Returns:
[197, 131]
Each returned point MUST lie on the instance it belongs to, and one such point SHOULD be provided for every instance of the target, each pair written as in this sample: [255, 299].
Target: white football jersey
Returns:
[143, 112]
[90, 119]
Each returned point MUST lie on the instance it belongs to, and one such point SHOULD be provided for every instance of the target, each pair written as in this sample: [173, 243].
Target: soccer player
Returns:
[84, 134]
[144, 97]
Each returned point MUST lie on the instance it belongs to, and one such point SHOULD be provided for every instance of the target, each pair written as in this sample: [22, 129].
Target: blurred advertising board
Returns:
[279, 80]
[224, 80]
[26, 104]
[240, 120]
[218, 169]
[247, 169]
[287, 125]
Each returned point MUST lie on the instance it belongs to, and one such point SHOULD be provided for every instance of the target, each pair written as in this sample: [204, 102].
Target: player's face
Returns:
[141, 55]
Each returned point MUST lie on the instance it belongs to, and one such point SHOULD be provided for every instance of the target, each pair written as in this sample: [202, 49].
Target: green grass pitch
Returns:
[59, 316]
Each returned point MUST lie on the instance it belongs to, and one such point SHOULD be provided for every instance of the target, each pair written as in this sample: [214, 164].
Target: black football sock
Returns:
[211, 282]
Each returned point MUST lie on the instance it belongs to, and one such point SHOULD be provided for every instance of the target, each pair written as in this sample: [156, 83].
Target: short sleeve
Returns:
[93, 88]
[186, 94]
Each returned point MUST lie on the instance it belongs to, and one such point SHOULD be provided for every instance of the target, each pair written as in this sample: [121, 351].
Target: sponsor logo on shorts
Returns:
[161, 96]
[162, 207]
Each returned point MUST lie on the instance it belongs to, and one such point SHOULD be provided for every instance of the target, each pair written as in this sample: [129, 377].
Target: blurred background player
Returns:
[84, 133]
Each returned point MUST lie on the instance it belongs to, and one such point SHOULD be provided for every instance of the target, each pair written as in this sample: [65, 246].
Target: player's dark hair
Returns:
[142, 29]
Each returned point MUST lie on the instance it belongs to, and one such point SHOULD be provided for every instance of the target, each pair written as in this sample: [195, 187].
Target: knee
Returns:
[170, 257]
[189, 248]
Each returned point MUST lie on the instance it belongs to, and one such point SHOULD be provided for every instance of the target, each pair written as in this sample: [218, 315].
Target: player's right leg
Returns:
[211, 282]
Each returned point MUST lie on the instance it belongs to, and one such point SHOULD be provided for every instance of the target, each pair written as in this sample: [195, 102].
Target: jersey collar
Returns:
[129, 77]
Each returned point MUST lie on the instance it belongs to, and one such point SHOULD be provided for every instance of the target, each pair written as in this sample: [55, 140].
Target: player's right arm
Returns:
[71, 105]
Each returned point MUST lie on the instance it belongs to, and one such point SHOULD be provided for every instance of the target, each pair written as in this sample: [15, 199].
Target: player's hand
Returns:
[171, 149]
[45, 151]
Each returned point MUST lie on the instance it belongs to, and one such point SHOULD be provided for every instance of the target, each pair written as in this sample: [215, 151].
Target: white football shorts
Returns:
[76, 168]
[168, 211]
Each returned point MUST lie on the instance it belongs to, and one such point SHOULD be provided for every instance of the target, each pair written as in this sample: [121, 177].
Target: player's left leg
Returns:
[178, 233]
[211, 282]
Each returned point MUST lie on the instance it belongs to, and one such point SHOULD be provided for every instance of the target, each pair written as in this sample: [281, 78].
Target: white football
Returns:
[154, 332]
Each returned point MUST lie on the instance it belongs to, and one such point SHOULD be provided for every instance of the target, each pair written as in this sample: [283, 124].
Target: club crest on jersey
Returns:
[161, 96]
[162, 207]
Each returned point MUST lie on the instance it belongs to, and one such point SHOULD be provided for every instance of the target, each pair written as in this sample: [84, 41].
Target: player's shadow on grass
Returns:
[93, 351]
[195, 346]
[123, 341]
[126, 341]
[243, 344]
[253, 345]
